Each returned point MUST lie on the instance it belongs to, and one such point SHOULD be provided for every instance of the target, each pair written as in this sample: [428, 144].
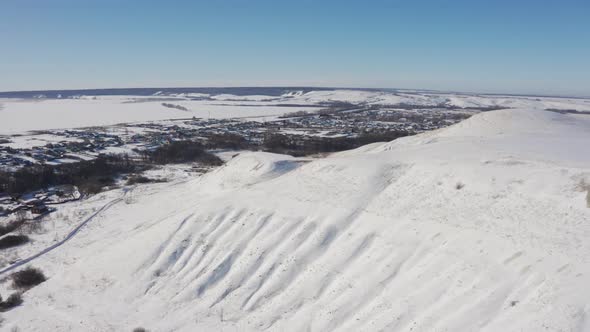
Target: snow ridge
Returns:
[382, 238]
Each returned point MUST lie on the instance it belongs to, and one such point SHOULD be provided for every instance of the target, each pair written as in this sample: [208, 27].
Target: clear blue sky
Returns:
[518, 46]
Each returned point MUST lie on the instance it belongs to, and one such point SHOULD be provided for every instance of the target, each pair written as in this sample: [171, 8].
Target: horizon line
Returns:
[305, 87]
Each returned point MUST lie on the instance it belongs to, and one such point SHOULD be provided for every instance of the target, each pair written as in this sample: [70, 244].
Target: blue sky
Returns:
[517, 46]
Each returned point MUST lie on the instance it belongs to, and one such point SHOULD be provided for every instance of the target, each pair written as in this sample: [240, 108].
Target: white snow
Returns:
[433, 99]
[229, 97]
[482, 226]
[25, 115]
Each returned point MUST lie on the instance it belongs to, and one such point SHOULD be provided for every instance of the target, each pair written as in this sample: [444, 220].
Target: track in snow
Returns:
[60, 243]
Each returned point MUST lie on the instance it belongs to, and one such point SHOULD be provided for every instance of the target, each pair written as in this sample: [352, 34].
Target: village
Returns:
[75, 145]
[36, 204]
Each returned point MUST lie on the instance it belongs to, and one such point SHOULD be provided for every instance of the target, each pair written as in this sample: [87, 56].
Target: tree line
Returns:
[92, 176]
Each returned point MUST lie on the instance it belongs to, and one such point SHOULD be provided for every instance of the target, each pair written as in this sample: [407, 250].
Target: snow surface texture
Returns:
[482, 226]
[21, 115]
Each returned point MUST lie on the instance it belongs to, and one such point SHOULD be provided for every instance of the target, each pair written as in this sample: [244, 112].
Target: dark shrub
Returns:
[31, 227]
[226, 141]
[90, 176]
[90, 188]
[298, 145]
[10, 241]
[140, 179]
[182, 152]
[14, 300]
[10, 227]
[139, 329]
[27, 278]
[95, 184]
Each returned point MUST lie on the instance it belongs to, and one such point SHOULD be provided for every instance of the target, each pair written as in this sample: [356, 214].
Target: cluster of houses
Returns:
[77, 145]
[416, 120]
[351, 123]
[12, 159]
[38, 202]
[86, 144]
[160, 133]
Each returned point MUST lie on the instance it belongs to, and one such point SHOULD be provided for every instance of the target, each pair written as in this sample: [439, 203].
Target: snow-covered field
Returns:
[21, 115]
[482, 226]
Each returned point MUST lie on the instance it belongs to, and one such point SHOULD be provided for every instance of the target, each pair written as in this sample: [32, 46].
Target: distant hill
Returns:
[238, 91]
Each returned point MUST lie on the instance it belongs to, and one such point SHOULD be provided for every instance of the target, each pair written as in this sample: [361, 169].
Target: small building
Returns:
[39, 209]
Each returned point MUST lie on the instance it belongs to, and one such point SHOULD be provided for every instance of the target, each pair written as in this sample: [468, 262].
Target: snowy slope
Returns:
[484, 225]
[435, 99]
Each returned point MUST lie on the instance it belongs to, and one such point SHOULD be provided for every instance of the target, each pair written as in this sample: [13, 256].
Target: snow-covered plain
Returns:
[21, 115]
[482, 226]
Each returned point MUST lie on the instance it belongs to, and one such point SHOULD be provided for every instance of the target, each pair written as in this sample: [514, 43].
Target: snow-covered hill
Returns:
[484, 225]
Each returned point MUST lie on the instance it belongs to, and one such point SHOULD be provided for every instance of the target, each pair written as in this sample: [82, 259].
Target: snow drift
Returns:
[481, 226]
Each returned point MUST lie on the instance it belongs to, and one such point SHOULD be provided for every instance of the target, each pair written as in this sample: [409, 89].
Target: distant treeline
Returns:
[565, 111]
[178, 107]
[181, 152]
[299, 145]
[92, 176]
[238, 91]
